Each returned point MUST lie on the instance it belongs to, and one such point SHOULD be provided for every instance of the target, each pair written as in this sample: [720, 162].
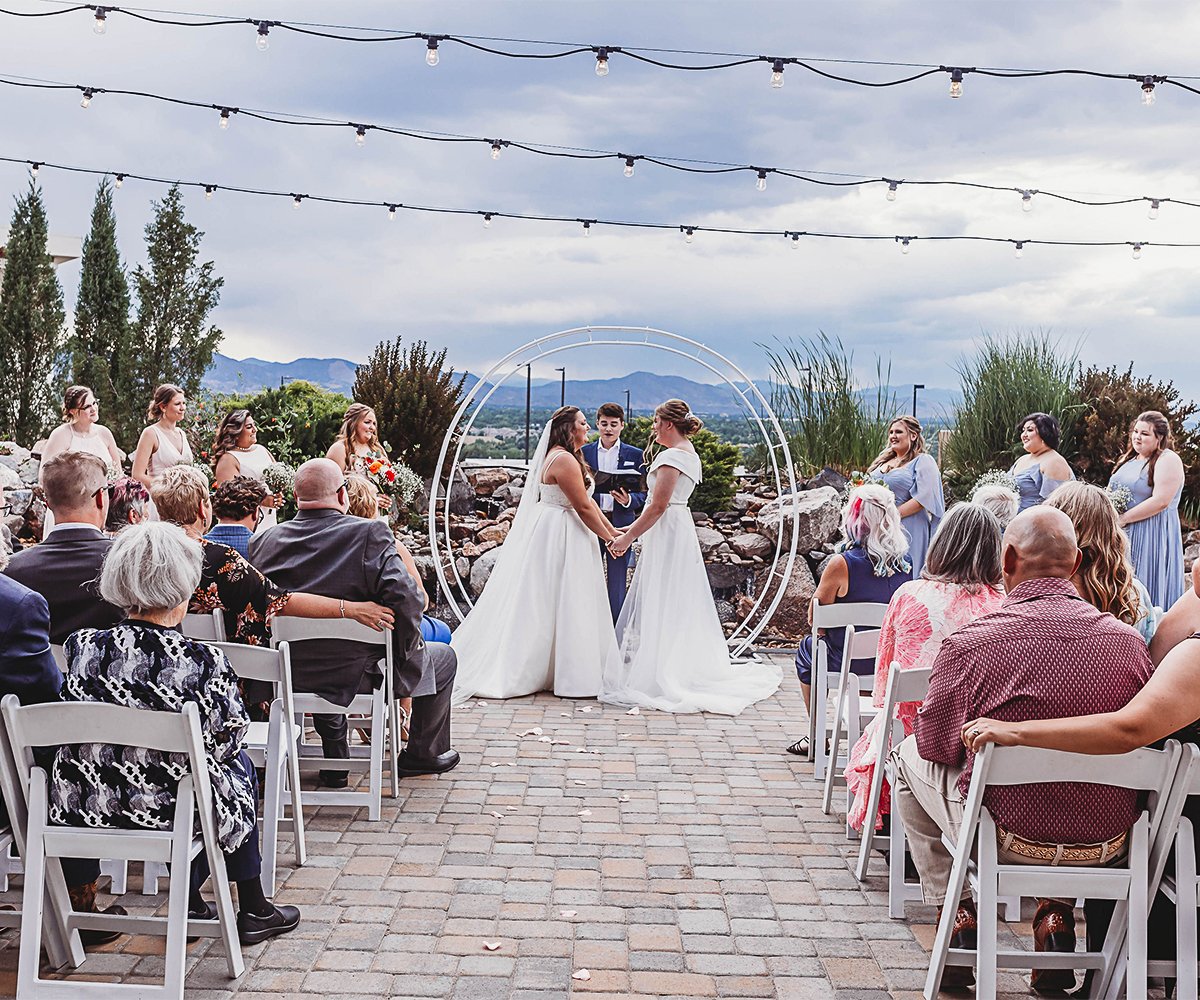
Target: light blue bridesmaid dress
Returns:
[918, 480]
[1033, 485]
[1155, 543]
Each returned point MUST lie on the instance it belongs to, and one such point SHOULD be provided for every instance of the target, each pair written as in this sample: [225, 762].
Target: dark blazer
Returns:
[333, 554]
[65, 569]
[629, 457]
[27, 667]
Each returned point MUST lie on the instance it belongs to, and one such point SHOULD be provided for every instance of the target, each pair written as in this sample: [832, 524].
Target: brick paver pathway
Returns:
[669, 856]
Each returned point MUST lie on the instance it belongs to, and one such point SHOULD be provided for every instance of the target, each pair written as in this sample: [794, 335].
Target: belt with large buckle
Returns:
[1057, 854]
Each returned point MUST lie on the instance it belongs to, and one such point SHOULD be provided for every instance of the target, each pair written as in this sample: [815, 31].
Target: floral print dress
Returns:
[921, 615]
[246, 598]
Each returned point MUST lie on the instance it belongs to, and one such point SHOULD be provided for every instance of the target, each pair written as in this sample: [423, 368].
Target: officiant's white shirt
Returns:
[609, 461]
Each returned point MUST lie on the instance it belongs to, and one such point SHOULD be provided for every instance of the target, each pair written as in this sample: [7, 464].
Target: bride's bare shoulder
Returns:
[553, 471]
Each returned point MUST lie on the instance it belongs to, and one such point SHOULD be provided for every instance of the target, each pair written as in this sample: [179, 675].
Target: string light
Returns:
[893, 186]
[601, 61]
[487, 220]
[360, 135]
[1027, 201]
[101, 21]
[688, 233]
[1147, 90]
[904, 243]
[1153, 212]
[795, 240]
[497, 146]
[1137, 251]
[431, 51]
[262, 42]
[223, 121]
[956, 83]
[119, 181]
[391, 213]
[296, 199]
[761, 183]
[629, 166]
[776, 73]
[1019, 249]
[208, 191]
[587, 227]
[33, 170]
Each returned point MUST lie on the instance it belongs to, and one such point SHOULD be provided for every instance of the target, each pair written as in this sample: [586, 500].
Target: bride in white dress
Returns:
[673, 654]
[543, 622]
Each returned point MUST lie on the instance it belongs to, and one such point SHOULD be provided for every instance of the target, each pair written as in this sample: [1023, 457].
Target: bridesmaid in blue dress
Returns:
[1153, 473]
[912, 475]
[1041, 470]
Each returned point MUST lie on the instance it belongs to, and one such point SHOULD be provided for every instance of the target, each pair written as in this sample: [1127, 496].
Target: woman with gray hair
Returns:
[151, 572]
[999, 499]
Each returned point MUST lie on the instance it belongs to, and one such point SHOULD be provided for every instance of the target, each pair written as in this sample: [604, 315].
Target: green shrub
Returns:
[829, 418]
[717, 462]
[1008, 378]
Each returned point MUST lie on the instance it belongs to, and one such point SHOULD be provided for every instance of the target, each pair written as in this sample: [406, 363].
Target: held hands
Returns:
[618, 546]
[372, 615]
[976, 735]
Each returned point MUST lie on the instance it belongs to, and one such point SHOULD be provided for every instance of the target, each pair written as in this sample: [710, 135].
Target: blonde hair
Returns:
[362, 496]
[354, 415]
[677, 413]
[161, 400]
[871, 521]
[913, 426]
[178, 494]
[1105, 577]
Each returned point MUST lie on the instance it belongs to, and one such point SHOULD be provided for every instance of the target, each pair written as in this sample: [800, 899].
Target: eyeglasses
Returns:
[345, 486]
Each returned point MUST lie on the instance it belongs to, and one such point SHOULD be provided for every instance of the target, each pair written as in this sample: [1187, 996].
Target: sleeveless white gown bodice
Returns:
[252, 463]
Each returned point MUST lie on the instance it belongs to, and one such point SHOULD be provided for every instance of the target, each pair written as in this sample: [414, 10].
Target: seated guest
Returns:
[327, 552]
[127, 503]
[961, 581]
[228, 582]
[151, 572]
[235, 505]
[1000, 500]
[871, 564]
[1046, 653]
[1180, 621]
[65, 567]
[1105, 577]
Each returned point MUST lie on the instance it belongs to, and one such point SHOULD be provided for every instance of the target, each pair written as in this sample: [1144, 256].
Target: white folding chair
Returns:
[851, 710]
[206, 628]
[825, 617]
[1151, 771]
[272, 746]
[383, 715]
[63, 945]
[167, 732]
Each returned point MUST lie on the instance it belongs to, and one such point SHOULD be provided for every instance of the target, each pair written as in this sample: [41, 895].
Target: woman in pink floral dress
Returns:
[961, 581]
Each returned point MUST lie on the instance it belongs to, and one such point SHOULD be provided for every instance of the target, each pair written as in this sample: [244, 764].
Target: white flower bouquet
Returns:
[1121, 498]
[280, 479]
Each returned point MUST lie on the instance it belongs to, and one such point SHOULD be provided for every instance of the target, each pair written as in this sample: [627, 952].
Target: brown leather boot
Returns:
[83, 900]
[1053, 930]
[966, 936]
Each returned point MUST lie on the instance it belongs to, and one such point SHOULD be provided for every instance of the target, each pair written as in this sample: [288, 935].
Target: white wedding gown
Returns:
[673, 654]
[542, 622]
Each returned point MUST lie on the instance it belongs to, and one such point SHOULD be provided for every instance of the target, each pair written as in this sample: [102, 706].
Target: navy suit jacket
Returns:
[27, 667]
[628, 458]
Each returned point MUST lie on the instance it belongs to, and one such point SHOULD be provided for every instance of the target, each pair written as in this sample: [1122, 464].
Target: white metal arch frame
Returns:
[756, 405]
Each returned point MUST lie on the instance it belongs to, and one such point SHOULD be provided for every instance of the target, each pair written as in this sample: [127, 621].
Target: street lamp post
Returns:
[528, 405]
[628, 408]
[916, 386]
[563, 395]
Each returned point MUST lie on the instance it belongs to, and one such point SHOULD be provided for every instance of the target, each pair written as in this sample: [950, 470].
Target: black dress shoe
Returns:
[409, 765]
[91, 938]
[252, 929]
[207, 912]
[333, 779]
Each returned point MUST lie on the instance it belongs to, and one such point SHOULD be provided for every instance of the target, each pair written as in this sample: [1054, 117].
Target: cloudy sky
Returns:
[333, 281]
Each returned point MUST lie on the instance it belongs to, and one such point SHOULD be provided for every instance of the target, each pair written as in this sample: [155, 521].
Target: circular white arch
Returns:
[756, 405]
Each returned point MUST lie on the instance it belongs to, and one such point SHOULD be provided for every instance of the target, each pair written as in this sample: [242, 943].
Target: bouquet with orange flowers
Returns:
[396, 481]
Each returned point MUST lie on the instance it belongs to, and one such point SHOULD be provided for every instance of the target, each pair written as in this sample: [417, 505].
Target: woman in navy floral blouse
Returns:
[151, 572]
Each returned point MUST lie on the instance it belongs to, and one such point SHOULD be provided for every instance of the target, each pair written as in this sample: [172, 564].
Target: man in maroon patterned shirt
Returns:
[1044, 654]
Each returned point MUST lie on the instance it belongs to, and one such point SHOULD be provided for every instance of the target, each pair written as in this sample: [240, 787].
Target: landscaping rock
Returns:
[818, 512]
[462, 496]
[727, 577]
[791, 617]
[751, 543]
[18, 502]
[9, 480]
[487, 481]
[826, 477]
[710, 540]
[494, 533]
[508, 493]
[481, 570]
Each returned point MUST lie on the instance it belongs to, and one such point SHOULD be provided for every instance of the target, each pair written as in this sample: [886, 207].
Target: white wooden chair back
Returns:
[40, 726]
[850, 708]
[1148, 771]
[206, 628]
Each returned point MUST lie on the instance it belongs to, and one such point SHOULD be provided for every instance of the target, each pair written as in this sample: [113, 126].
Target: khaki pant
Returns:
[927, 799]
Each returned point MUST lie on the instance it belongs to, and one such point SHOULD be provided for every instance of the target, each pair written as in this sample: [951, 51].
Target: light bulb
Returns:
[224, 121]
[761, 183]
[602, 61]
[88, 94]
[893, 186]
[1148, 90]
[431, 52]
[208, 191]
[391, 213]
[587, 229]
[777, 73]
[904, 245]
[1153, 213]
[360, 136]
[496, 150]
[261, 41]
[119, 181]
[101, 21]
[1019, 250]
[487, 220]
[956, 83]
[688, 234]
[629, 166]
[795, 241]
[1137, 251]
[34, 168]
[1026, 201]
[296, 199]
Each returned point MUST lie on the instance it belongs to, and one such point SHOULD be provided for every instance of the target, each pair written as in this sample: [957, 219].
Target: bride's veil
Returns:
[522, 527]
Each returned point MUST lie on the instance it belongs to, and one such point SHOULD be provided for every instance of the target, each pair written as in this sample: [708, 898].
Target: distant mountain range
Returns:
[646, 389]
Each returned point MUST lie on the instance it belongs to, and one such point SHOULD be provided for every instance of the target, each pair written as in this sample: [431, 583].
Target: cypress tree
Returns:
[175, 295]
[32, 326]
[100, 345]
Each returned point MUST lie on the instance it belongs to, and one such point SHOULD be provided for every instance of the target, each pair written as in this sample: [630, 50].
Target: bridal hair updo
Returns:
[562, 435]
[73, 400]
[228, 432]
[678, 413]
[161, 400]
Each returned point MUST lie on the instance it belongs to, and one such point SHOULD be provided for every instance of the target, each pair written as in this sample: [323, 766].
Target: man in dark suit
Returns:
[65, 566]
[621, 506]
[325, 551]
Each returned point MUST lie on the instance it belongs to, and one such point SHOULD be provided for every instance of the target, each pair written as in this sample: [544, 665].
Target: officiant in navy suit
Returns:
[621, 506]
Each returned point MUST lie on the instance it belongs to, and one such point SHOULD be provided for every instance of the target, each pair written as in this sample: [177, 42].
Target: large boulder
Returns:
[12, 455]
[791, 617]
[818, 513]
[728, 578]
[487, 481]
[9, 480]
[826, 477]
[710, 540]
[18, 502]
[481, 570]
[508, 494]
[751, 544]
[493, 533]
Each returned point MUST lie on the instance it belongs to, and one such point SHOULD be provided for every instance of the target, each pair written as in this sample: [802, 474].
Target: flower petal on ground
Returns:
[582, 975]
[491, 945]
[634, 711]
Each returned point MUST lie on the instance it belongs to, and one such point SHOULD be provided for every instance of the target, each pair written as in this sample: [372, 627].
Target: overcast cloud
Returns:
[333, 281]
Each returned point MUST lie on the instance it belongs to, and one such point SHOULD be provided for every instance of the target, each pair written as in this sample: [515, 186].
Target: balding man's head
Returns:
[1039, 543]
[319, 484]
